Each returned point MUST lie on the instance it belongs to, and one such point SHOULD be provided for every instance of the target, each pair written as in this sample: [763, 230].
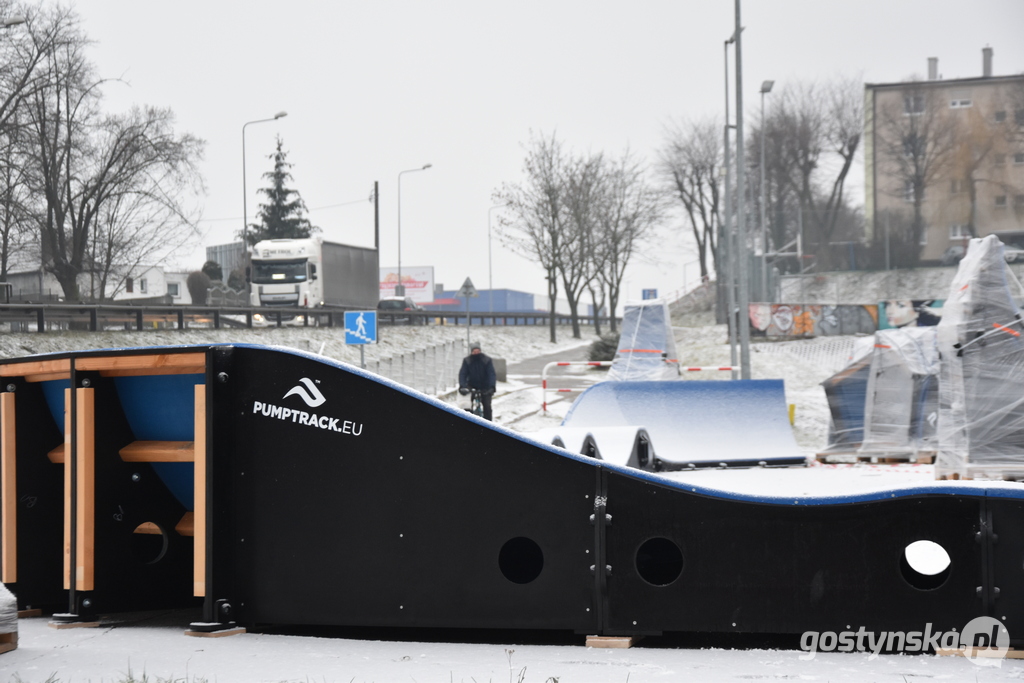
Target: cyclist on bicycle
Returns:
[477, 373]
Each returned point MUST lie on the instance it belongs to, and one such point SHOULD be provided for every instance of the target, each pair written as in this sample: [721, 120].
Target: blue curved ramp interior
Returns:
[696, 422]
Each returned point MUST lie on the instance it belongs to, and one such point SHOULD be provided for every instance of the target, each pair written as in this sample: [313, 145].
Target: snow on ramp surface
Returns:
[696, 421]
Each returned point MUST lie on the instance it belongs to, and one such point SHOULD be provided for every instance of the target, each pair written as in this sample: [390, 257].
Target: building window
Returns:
[172, 289]
[1000, 201]
[960, 99]
[1000, 116]
[142, 286]
[913, 104]
[128, 285]
[959, 232]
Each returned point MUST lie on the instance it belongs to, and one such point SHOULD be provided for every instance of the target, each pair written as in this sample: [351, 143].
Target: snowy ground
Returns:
[154, 645]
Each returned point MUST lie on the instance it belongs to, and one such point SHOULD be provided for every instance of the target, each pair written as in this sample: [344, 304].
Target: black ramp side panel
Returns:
[386, 509]
[741, 566]
[40, 490]
[1006, 540]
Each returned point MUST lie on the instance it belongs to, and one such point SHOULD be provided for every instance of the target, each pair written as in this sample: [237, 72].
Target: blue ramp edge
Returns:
[696, 421]
[53, 392]
[162, 408]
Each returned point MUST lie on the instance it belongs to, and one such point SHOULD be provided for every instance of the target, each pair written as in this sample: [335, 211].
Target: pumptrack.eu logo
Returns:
[308, 393]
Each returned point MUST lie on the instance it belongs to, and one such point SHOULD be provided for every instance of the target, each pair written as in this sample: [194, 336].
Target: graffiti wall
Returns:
[796, 321]
[909, 313]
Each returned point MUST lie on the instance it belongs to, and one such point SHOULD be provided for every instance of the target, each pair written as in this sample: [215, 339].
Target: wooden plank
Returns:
[133, 372]
[61, 625]
[46, 377]
[612, 641]
[992, 653]
[37, 367]
[8, 490]
[216, 634]
[57, 454]
[182, 362]
[8, 642]
[85, 451]
[29, 613]
[186, 526]
[148, 528]
[158, 451]
[199, 504]
[68, 484]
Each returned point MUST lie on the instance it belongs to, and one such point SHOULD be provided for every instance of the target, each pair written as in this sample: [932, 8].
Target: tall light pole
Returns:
[766, 88]
[245, 213]
[490, 278]
[399, 287]
[730, 240]
[741, 213]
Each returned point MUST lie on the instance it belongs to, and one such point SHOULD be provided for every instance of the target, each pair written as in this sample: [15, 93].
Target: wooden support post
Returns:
[85, 526]
[68, 484]
[8, 490]
[199, 505]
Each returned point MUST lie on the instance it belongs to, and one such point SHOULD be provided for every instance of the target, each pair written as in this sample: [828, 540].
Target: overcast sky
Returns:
[374, 88]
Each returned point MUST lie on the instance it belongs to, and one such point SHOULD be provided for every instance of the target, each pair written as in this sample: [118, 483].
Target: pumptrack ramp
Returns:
[697, 423]
[310, 492]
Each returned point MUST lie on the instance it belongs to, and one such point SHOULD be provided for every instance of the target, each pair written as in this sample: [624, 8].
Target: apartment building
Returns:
[944, 159]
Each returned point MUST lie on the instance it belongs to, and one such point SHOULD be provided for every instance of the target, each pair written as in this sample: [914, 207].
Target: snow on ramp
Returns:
[697, 423]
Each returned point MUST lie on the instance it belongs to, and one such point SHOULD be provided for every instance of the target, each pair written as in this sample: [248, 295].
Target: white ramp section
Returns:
[628, 446]
[647, 347]
[697, 424]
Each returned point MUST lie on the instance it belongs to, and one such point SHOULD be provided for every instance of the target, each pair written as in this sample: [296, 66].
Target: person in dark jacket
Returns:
[478, 373]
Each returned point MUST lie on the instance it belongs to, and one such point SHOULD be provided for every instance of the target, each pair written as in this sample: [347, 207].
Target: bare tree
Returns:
[584, 186]
[88, 167]
[631, 210]
[820, 133]
[917, 137]
[690, 164]
[535, 226]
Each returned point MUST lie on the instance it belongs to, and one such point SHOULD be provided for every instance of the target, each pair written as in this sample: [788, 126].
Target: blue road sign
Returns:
[360, 327]
[650, 294]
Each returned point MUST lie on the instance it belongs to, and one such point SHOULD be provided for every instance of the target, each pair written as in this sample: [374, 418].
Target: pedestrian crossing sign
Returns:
[360, 327]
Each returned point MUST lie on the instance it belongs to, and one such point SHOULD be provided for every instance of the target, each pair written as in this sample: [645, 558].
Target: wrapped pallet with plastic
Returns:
[901, 404]
[981, 403]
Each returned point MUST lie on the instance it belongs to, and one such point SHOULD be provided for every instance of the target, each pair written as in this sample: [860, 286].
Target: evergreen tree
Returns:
[283, 216]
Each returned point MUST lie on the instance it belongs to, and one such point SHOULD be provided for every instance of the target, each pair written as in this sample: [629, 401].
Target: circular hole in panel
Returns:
[149, 543]
[659, 561]
[925, 565]
[521, 560]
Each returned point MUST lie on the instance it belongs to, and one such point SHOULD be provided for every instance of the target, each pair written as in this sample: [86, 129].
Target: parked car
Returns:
[389, 309]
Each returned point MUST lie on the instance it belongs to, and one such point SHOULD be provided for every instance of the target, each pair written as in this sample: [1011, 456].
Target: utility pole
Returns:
[729, 241]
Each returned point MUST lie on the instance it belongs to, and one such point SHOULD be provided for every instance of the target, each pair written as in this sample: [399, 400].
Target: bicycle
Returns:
[476, 403]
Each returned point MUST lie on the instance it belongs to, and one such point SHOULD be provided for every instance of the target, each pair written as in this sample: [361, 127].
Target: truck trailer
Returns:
[311, 273]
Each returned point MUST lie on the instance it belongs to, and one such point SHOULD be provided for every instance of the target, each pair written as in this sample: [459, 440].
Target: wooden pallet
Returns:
[8, 642]
[921, 458]
[215, 634]
[1011, 653]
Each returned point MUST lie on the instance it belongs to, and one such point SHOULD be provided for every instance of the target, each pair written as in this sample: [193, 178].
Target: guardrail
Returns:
[96, 317]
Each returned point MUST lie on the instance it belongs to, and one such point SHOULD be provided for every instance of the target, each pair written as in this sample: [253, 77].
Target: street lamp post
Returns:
[490, 278]
[741, 212]
[730, 238]
[399, 287]
[766, 88]
[245, 209]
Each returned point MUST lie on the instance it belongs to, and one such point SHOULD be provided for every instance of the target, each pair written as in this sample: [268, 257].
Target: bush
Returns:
[198, 284]
[604, 348]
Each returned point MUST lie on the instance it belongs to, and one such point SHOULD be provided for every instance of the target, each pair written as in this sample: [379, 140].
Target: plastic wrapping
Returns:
[981, 403]
[8, 611]
[846, 392]
[901, 400]
[647, 347]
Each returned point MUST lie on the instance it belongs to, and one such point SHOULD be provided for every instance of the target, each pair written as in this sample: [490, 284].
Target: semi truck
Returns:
[310, 273]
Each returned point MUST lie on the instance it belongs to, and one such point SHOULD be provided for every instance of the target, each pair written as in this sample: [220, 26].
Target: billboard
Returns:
[418, 282]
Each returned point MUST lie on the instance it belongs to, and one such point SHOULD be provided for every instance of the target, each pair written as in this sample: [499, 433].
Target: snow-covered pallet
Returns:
[8, 620]
[919, 458]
